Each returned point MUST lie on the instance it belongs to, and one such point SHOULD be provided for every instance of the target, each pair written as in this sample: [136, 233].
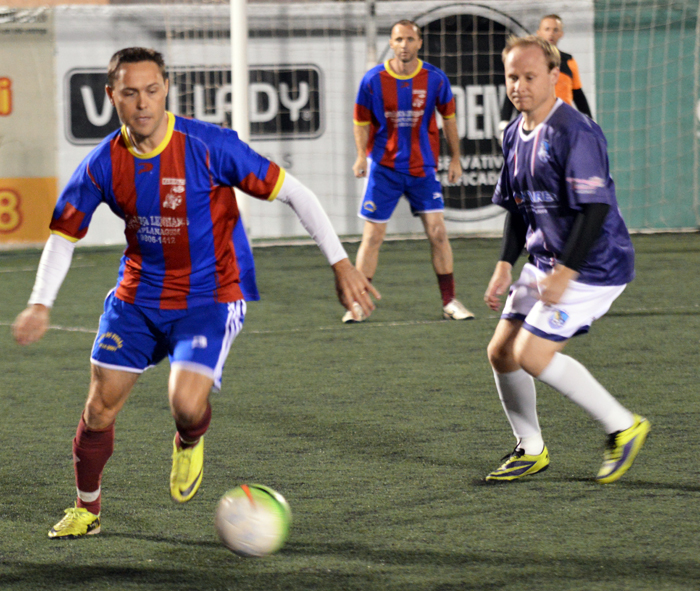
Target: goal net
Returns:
[647, 97]
[638, 59]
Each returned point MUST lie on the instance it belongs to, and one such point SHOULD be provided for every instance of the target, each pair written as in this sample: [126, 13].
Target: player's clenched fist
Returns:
[31, 324]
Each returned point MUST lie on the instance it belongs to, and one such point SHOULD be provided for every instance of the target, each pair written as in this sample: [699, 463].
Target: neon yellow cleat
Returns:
[517, 464]
[186, 475]
[621, 449]
[77, 523]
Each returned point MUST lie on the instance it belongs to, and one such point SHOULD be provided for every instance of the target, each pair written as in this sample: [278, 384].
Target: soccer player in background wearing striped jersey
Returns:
[561, 207]
[398, 145]
[184, 275]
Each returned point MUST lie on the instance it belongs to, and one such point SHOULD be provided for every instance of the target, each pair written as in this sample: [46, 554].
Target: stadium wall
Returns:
[323, 44]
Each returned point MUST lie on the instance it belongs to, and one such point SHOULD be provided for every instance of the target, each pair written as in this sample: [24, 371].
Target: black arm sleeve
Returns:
[514, 234]
[584, 233]
[581, 102]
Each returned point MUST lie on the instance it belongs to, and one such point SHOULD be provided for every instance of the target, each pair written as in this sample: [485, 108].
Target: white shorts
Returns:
[580, 305]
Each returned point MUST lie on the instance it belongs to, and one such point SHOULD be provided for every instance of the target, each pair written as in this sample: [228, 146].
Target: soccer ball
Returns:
[253, 520]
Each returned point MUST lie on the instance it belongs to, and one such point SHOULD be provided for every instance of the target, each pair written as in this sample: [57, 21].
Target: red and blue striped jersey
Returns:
[179, 209]
[401, 111]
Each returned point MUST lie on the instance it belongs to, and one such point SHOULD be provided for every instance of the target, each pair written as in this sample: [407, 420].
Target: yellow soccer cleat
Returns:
[621, 449]
[77, 523]
[518, 464]
[186, 474]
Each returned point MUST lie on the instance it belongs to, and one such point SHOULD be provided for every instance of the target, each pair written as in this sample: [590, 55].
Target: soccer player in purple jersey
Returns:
[178, 291]
[398, 145]
[560, 200]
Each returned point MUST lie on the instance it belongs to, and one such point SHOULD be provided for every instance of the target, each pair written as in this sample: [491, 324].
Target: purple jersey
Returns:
[547, 175]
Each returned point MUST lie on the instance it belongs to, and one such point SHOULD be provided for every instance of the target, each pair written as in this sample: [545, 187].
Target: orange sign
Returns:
[5, 96]
[26, 205]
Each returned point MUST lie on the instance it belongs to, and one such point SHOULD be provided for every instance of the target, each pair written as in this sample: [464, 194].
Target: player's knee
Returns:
[98, 415]
[373, 239]
[437, 234]
[187, 412]
[500, 356]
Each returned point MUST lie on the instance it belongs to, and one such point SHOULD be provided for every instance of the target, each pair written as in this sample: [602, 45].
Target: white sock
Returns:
[517, 393]
[574, 381]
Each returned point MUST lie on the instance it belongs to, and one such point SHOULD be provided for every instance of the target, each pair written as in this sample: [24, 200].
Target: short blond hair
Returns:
[551, 53]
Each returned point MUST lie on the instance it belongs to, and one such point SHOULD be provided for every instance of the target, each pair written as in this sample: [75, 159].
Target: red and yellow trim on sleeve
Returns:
[159, 148]
[66, 236]
[278, 185]
[361, 123]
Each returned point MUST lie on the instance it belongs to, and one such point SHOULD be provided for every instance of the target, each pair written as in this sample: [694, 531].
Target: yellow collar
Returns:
[159, 148]
[398, 76]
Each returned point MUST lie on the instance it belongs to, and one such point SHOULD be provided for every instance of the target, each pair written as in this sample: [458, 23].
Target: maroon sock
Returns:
[189, 436]
[91, 450]
[447, 287]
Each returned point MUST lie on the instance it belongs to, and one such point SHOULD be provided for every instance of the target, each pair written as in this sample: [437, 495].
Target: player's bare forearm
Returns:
[361, 133]
[498, 285]
[449, 127]
[31, 324]
[553, 286]
[352, 286]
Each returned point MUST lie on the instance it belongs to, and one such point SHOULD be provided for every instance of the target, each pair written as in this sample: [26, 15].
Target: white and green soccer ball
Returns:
[253, 520]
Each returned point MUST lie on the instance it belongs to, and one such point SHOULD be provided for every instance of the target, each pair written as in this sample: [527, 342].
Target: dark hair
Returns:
[407, 23]
[132, 55]
[551, 53]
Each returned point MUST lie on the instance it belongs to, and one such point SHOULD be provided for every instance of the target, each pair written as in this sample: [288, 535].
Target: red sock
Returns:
[447, 287]
[189, 436]
[91, 450]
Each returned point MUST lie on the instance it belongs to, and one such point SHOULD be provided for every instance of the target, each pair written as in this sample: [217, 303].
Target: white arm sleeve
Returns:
[308, 209]
[53, 266]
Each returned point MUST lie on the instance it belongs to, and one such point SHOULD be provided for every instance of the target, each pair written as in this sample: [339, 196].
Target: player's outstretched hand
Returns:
[499, 284]
[31, 324]
[352, 286]
[553, 286]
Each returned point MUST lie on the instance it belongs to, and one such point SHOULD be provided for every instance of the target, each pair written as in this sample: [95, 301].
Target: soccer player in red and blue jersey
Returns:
[560, 200]
[398, 145]
[181, 285]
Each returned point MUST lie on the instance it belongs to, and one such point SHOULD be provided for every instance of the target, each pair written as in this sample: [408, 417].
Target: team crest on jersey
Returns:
[418, 99]
[370, 206]
[558, 318]
[172, 201]
[543, 152]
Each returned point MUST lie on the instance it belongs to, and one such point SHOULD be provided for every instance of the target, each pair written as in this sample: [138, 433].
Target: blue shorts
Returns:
[133, 338]
[384, 189]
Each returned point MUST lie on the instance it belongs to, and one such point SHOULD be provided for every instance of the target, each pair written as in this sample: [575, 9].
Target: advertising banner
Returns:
[28, 181]
[306, 61]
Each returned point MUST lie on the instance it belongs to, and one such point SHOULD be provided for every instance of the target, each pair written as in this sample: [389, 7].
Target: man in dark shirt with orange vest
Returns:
[568, 86]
